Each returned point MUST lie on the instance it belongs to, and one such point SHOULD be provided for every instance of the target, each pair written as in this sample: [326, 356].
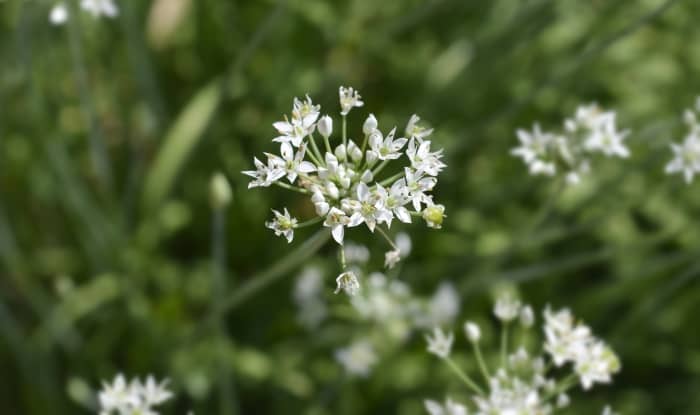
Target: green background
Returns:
[111, 129]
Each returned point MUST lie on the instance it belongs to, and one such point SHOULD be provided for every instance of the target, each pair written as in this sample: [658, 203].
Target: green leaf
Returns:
[185, 133]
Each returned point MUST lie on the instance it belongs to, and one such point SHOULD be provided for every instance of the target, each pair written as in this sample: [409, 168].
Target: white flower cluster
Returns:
[343, 182]
[686, 155]
[589, 132]
[59, 13]
[132, 398]
[523, 384]
[358, 358]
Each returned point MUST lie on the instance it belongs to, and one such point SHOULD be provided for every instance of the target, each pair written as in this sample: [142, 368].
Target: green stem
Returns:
[480, 359]
[343, 263]
[290, 187]
[345, 130]
[309, 222]
[229, 402]
[284, 266]
[316, 152]
[379, 168]
[504, 345]
[463, 376]
[388, 239]
[391, 179]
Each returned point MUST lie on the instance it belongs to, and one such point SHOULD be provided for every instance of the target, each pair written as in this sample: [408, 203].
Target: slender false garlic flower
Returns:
[686, 155]
[354, 180]
[59, 13]
[591, 131]
[132, 398]
[523, 383]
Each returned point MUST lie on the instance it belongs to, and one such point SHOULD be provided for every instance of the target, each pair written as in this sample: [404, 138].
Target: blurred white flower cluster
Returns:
[343, 179]
[686, 155]
[589, 132]
[386, 311]
[134, 397]
[59, 13]
[524, 383]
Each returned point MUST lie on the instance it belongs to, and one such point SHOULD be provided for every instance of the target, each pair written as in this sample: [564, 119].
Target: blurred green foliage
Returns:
[111, 129]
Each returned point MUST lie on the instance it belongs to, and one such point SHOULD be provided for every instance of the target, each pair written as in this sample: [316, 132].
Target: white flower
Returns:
[264, 175]
[368, 206]
[391, 258]
[403, 242]
[134, 397]
[118, 395]
[386, 148]
[59, 14]
[444, 304]
[358, 358]
[422, 159]
[686, 158]
[472, 331]
[152, 392]
[99, 8]
[413, 130]
[349, 98]
[347, 281]
[434, 215]
[325, 126]
[607, 139]
[511, 396]
[450, 408]
[414, 186]
[293, 131]
[293, 164]
[507, 308]
[305, 110]
[535, 148]
[354, 253]
[563, 400]
[527, 316]
[283, 224]
[370, 125]
[608, 411]
[596, 364]
[393, 201]
[440, 344]
[337, 220]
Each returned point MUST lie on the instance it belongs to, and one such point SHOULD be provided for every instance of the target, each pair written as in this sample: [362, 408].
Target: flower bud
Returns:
[371, 157]
[367, 176]
[527, 316]
[472, 331]
[219, 191]
[433, 216]
[370, 125]
[354, 151]
[332, 190]
[325, 126]
[340, 152]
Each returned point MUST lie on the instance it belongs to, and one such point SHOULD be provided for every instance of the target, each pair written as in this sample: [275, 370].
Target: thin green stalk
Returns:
[480, 360]
[343, 263]
[504, 345]
[290, 187]
[309, 222]
[380, 168]
[388, 239]
[345, 130]
[391, 179]
[256, 283]
[463, 376]
[228, 404]
[316, 153]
